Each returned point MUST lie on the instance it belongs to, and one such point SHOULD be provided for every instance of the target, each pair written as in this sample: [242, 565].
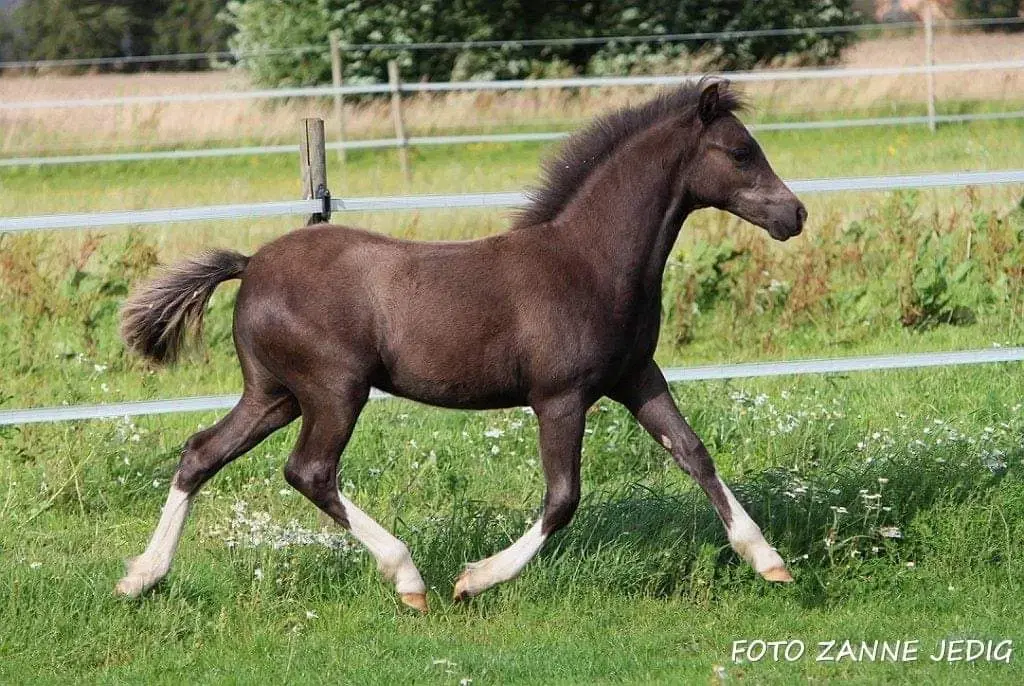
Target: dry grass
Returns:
[262, 122]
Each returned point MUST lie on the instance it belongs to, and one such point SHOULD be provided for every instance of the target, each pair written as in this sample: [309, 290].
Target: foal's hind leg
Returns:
[255, 417]
[561, 437]
[648, 398]
[313, 470]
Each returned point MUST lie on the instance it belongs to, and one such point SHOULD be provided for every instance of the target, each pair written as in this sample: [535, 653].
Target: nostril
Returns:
[801, 214]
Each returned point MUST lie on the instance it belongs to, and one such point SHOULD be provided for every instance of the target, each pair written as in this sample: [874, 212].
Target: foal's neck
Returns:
[626, 218]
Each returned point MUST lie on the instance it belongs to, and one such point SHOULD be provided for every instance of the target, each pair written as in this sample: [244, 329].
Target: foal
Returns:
[557, 312]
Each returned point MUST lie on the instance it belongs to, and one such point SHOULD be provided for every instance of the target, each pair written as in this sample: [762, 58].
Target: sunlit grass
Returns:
[894, 516]
[896, 497]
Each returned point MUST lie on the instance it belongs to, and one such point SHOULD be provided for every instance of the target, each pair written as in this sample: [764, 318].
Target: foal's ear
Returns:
[707, 106]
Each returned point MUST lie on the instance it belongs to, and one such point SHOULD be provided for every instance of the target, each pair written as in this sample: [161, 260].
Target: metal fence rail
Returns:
[766, 75]
[675, 374]
[467, 139]
[469, 200]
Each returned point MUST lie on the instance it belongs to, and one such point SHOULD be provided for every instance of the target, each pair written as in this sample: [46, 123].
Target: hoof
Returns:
[462, 589]
[417, 601]
[780, 574]
[129, 588]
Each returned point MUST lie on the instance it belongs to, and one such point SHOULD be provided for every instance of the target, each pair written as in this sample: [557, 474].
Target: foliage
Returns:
[896, 265]
[190, 26]
[263, 24]
[984, 9]
[929, 296]
[7, 34]
[61, 29]
[270, 26]
[696, 285]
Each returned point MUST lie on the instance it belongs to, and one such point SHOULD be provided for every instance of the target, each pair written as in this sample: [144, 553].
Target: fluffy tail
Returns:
[157, 316]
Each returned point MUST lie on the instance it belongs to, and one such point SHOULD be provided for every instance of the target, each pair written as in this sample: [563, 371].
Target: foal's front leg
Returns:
[561, 437]
[648, 398]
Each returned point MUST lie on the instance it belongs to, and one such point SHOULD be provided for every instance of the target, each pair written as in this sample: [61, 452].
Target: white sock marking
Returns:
[147, 569]
[746, 538]
[393, 558]
[507, 564]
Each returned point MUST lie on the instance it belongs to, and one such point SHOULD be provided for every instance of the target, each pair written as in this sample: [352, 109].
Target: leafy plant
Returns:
[696, 285]
[929, 295]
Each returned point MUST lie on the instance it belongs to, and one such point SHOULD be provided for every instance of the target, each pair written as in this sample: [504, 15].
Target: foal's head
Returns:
[730, 172]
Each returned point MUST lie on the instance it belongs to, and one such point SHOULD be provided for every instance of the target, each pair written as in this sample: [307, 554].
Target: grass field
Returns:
[896, 497]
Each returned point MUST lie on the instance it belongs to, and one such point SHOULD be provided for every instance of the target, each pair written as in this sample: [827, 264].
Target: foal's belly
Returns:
[457, 389]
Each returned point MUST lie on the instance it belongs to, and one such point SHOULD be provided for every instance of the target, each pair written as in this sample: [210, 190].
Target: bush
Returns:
[929, 293]
[985, 9]
[278, 24]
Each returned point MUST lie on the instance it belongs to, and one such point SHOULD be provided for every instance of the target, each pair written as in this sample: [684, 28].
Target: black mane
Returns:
[565, 172]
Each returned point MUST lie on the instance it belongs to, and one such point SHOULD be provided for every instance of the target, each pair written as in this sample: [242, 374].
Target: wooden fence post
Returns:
[313, 167]
[929, 60]
[336, 78]
[396, 117]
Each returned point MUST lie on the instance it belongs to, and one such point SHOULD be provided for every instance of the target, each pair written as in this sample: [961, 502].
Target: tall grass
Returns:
[27, 132]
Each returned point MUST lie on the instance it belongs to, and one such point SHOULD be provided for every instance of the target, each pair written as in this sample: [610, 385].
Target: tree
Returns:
[190, 26]
[60, 29]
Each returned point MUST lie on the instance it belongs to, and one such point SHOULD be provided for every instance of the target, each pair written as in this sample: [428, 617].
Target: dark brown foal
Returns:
[557, 312]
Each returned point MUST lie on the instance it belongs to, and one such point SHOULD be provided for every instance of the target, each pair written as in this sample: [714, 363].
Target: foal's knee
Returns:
[318, 481]
[559, 508]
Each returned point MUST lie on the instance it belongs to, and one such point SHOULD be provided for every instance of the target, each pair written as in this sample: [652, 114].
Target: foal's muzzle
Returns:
[788, 221]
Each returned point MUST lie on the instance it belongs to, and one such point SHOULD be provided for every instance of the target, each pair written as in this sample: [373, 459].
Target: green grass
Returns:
[642, 588]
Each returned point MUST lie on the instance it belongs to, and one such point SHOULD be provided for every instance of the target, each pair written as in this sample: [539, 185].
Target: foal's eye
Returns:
[741, 154]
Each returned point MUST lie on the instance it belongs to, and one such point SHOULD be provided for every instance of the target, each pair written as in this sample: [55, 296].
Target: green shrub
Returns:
[275, 24]
[696, 285]
[929, 296]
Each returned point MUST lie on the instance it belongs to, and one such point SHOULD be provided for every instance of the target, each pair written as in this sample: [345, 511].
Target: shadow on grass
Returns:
[649, 541]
